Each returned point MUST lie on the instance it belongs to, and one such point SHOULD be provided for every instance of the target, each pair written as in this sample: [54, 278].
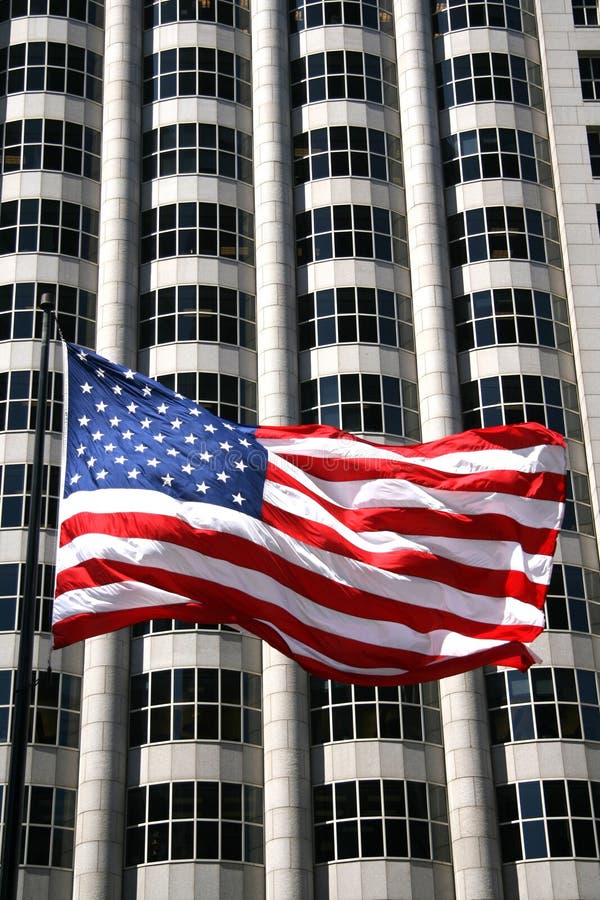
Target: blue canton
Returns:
[127, 431]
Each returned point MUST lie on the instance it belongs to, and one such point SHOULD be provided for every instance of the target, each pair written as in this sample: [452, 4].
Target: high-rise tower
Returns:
[377, 214]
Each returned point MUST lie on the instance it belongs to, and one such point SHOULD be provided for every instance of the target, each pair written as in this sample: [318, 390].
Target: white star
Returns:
[237, 498]
[146, 392]
[179, 396]
[159, 437]
[83, 421]
[86, 388]
[75, 479]
[153, 462]
[140, 448]
[244, 442]
[167, 480]
[115, 421]
[172, 452]
[91, 462]
[241, 465]
[81, 355]
[188, 469]
[101, 406]
[129, 374]
[194, 411]
[109, 448]
[97, 435]
[120, 459]
[226, 446]
[202, 488]
[176, 423]
[162, 408]
[228, 426]
[146, 423]
[210, 428]
[118, 390]
[205, 456]
[190, 439]
[80, 450]
[102, 475]
[223, 476]
[127, 434]
[100, 373]
[133, 473]
[132, 407]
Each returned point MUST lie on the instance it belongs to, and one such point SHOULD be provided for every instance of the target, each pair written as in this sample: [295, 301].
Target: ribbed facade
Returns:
[381, 215]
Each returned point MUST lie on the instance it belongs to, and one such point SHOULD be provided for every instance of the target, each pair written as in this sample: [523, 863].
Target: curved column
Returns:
[471, 803]
[288, 848]
[99, 838]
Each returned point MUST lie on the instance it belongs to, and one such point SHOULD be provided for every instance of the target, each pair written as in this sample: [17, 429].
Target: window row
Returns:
[48, 826]
[511, 316]
[337, 232]
[197, 149]
[496, 153]
[15, 495]
[344, 75]
[197, 72]
[347, 150]
[224, 395]
[342, 712]
[578, 505]
[194, 820]
[58, 68]
[482, 77]
[346, 315]
[234, 13]
[370, 818]
[195, 704]
[573, 599]
[509, 399]
[48, 226]
[12, 583]
[374, 404]
[50, 144]
[585, 12]
[191, 312]
[589, 73]
[203, 229]
[54, 710]
[550, 818]
[21, 318]
[160, 626]
[18, 400]
[90, 11]
[454, 15]
[593, 137]
[375, 14]
[543, 703]
[503, 232]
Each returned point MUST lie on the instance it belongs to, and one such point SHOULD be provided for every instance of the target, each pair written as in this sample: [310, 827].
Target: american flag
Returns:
[367, 563]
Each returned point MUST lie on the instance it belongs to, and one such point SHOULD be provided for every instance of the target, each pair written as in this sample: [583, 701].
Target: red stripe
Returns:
[430, 522]
[235, 549]
[538, 485]
[504, 437]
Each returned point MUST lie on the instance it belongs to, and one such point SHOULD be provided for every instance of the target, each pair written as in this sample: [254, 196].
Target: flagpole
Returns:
[15, 790]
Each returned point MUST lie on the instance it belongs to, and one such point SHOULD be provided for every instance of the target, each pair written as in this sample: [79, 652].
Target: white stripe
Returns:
[486, 554]
[397, 492]
[537, 458]
[421, 593]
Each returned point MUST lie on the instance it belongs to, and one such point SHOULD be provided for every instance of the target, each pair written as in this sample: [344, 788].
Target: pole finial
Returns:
[46, 301]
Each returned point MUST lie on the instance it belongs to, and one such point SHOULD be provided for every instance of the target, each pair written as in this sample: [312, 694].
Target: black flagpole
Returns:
[15, 789]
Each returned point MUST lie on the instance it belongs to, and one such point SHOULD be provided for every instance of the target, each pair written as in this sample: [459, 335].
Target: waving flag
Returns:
[365, 563]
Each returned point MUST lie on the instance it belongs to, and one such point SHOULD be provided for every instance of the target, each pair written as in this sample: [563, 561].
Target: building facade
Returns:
[382, 215]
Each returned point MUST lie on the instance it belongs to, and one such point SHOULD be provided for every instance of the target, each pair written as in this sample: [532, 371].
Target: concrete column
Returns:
[471, 802]
[98, 860]
[288, 846]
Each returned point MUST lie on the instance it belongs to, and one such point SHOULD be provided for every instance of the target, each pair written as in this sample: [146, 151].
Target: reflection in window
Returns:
[52, 67]
[573, 599]
[375, 14]
[373, 818]
[511, 316]
[21, 318]
[487, 77]
[160, 626]
[195, 704]
[15, 495]
[191, 148]
[348, 315]
[344, 75]
[90, 11]
[509, 399]
[344, 712]
[18, 400]
[593, 138]
[234, 13]
[197, 72]
[197, 229]
[578, 505]
[543, 703]
[585, 12]
[589, 73]
[550, 818]
[337, 232]
[50, 144]
[347, 150]
[48, 226]
[12, 583]
[362, 403]
[454, 15]
[48, 825]
[496, 153]
[205, 820]
[503, 232]
[224, 395]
